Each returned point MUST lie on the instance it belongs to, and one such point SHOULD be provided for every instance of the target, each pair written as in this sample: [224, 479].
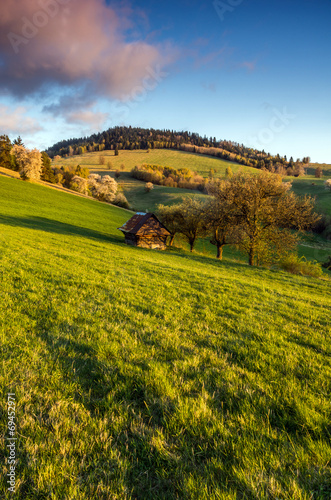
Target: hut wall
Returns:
[131, 239]
[154, 242]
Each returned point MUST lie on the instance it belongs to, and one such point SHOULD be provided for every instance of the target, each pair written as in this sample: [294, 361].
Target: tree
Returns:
[18, 141]
[80, 185]
[211, 174]
[29, 162]
[229, 173]
[148, 187]
[116, 151]
[106, 189]
[220, 219]
[318, 172]
[82, 172]
[169, 216]
[7, 160]
[47, 173]
[265, 212]
[191, 220]
[102, 160]
[327, 184]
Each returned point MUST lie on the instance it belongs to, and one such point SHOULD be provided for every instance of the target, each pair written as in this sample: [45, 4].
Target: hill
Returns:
[155, 375]
[137, 138]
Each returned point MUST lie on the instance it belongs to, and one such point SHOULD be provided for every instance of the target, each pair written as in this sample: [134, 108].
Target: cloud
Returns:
[209, 86]
[62, 44]
[94, 119]
[249, 65]
[14, 121]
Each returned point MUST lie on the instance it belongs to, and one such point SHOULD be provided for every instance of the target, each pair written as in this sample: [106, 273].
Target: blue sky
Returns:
[250, 71]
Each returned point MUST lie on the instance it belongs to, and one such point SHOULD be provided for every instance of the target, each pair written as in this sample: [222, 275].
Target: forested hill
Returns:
[131, 138]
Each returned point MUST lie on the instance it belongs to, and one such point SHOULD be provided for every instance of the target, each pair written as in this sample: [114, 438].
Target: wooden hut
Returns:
[145, 230]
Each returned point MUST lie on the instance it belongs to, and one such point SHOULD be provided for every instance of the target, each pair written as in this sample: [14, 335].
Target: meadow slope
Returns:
[202, 164]
[155, 375]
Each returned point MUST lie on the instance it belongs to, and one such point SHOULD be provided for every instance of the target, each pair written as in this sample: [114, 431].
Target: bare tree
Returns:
[170, 217]
[191, 220]
[220, 221]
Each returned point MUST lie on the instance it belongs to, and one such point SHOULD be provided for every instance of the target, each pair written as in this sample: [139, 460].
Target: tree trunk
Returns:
[172, 237]
[251, 257]
[219, 251]
[191, 245]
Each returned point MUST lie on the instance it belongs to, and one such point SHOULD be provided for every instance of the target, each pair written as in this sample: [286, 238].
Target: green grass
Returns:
[134, 189]
[314, 187]
[166, 157]
[139, 200]
[155, 375]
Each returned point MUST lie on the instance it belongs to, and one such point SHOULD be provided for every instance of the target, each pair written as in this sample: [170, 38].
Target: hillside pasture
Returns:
[165, 157]
[314, 187]
[155, 375]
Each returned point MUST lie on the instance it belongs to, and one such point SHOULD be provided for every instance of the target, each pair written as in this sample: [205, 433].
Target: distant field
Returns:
[324, 166]
[134, 189]
[177, 159]
[139, 200]
[152, 375]
[313, 187]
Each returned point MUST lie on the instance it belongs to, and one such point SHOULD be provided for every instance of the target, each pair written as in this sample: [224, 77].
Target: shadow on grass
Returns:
[57, 227]
[101, 386]
[205, 259]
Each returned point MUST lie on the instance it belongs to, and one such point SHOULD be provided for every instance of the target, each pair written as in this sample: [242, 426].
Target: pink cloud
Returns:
[15, 121]
[94, 119]
[70, 43]
[249, 65]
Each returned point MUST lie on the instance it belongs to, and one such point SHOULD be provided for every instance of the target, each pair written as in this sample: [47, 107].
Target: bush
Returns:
[295, 265]
[121, 201]
[327, 184]
[327, 264]
[148, 187]
[80, 185]
[323, 227]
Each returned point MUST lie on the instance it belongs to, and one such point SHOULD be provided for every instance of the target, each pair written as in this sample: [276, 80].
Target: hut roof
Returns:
[136, 224]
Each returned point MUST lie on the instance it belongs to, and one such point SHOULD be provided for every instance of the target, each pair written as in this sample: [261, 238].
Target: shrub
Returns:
[29, 162]
[323, 227]
[121, 201]
[327, 264]
[148, 187]
[327, 184]
[80, 185]
[295, 265]
[117, 174]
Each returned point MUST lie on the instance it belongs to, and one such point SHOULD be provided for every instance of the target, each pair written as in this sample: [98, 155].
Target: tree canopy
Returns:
[263, 211]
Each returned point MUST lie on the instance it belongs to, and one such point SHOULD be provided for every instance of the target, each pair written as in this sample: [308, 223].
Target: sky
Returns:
[251, 71]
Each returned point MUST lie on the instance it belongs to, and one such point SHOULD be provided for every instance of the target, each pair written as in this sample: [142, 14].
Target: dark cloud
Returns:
[55, 45]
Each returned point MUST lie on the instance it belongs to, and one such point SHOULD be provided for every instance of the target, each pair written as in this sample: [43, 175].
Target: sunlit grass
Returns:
[166, 157]
[155, 375]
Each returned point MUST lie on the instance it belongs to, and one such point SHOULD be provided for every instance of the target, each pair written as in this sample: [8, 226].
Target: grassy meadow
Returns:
[141, 374]
[314, 248]
[202, 164]
[166, 157]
